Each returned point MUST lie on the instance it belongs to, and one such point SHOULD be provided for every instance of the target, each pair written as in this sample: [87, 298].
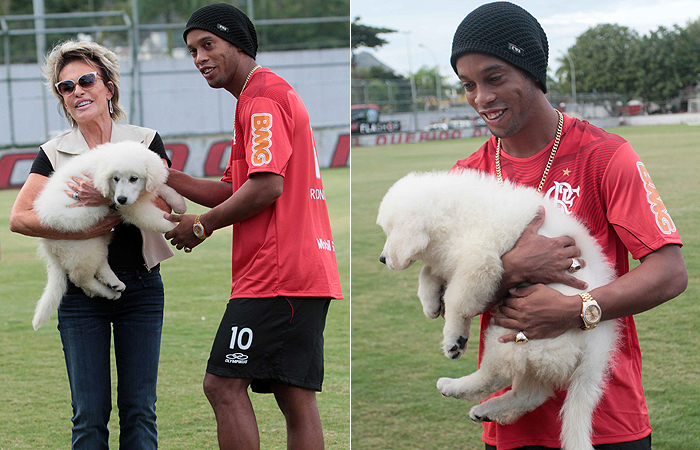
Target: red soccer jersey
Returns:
[287, 249]
[597, 177]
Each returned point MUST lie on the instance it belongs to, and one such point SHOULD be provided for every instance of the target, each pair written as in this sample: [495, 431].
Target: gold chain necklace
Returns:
[250, 74]
[560, 127]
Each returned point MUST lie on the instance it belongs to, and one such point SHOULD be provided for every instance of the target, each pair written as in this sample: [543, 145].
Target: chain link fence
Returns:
[426, 108]
[25, 39]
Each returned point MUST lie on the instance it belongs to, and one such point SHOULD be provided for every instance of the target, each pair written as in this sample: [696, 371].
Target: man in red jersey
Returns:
[500, 54]
[283, 263]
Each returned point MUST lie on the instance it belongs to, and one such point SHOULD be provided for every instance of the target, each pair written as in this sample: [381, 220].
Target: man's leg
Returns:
[236, 426]
[299, 407]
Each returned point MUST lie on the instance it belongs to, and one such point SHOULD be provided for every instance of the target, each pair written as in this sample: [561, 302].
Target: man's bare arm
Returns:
[203, 191]
[542, 312]
[256, 194]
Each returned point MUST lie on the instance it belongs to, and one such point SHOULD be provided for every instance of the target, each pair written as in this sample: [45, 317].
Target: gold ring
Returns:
[575, 266]
[187, 250]
[520, 338]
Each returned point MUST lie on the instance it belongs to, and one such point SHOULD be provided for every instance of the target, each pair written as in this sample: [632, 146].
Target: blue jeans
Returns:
[86, 327]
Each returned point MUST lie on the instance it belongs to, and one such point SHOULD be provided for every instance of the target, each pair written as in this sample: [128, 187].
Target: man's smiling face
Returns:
[501, 93]
[216, 59]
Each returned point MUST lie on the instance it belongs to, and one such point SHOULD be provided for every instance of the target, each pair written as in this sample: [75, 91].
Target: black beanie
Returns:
[507, 31]
[227, 22]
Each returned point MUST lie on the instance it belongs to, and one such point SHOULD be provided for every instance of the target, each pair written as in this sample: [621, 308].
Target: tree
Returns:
[270, 37]
[689, 48]
[314, 35]
[659, 72]
[561, 82]
[603, 59]
[367, 36]
[428, 81]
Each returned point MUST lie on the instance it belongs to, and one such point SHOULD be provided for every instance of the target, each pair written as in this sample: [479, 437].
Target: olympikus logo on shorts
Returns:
[663, 219]
[262, 138]
[236, 358]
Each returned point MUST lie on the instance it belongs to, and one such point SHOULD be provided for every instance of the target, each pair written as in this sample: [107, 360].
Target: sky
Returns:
[425, 28]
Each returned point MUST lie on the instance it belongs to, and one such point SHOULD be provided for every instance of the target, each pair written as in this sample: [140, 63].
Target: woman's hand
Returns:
[87, 195]
[101, 228]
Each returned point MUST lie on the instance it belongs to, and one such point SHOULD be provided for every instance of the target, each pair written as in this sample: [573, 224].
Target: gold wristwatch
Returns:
[198, 229]
[590, 312]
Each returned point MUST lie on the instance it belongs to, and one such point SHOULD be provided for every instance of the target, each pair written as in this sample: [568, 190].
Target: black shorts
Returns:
[642, 444]
[277, 339]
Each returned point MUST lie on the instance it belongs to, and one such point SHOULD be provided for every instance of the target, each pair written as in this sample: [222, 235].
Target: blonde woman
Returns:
[85, 79]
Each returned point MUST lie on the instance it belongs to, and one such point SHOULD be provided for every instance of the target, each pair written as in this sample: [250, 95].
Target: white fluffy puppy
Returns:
[460, 225]
[126, 172]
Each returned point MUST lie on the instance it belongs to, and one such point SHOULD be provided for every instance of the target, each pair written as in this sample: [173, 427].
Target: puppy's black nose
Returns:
[382, 259]
[122, 200]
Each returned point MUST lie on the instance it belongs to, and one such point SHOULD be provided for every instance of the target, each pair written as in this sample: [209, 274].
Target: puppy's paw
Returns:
[436, 306]
[462, 388]
[179, 207]
[119, 287]
[454, 348]
[113, 296]
[447, 387]
[478, 416]
[434, 311]
[495, 410]
[172, 198]
[431, 292]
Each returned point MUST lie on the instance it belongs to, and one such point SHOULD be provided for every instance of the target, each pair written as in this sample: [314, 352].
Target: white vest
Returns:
[67, 145]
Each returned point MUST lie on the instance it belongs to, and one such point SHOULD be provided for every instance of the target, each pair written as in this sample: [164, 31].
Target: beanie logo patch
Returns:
[515, 49]
[222, 27]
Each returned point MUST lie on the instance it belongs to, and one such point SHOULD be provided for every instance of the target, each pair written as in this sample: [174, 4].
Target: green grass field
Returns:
[35, 406]
[396, 359]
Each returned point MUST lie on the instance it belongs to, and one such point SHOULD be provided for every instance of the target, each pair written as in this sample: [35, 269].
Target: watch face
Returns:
[198, 230]
[592, 313]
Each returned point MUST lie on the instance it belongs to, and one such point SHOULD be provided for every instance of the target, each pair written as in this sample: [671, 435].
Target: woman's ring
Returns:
[187, 250]
[520, 338]
[75, 196]
[575, 266]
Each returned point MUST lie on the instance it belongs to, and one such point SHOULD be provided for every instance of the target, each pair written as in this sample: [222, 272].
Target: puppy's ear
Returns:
[403, 246]
[156, 174]
[101, 180]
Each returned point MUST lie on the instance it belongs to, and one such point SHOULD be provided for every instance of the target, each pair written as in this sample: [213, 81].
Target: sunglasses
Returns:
[86, 81]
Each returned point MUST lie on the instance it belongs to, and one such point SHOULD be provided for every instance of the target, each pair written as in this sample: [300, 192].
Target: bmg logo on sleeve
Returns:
[262, 138]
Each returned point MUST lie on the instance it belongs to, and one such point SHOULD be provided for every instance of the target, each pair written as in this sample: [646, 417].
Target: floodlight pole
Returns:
[251, 15]
[413, 81]
[40, 38]
[573, 77]
[438, 82]
[135, 69]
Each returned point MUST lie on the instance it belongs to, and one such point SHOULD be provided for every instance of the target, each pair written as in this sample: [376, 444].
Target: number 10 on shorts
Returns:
[242, 339]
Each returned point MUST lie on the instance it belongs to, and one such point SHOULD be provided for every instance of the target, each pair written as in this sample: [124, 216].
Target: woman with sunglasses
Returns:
[85, 79]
